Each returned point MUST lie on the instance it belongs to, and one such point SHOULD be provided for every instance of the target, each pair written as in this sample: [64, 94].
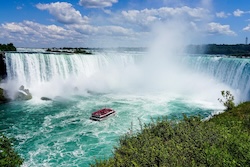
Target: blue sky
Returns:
[124, 23]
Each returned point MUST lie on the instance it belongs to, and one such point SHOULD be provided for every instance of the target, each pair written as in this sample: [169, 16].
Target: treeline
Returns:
[221, 141]
[7, 47]
[70, 50]
[235, 50]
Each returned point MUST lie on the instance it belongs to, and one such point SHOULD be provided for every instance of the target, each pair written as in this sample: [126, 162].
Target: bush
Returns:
[8, 156]
[229, 100]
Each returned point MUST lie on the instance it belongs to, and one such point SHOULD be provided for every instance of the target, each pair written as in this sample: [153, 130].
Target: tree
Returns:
[8, 47]
[228, 101]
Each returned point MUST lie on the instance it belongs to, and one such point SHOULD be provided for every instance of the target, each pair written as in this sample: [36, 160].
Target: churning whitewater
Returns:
[136, 85]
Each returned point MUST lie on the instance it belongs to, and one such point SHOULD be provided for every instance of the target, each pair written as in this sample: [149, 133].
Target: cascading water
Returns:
[54, 75]
[60, 133]
[234, 72]
[62, 73]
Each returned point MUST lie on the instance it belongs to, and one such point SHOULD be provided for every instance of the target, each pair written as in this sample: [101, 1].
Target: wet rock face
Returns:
[23, 94]
[3, 98]
[3, 72]
[46, 98]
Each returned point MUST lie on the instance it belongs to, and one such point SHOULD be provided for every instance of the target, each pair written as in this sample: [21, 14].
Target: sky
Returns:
[121, 23]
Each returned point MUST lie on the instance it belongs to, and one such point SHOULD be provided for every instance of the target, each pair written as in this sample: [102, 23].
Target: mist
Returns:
[160, 68]
[164, 70]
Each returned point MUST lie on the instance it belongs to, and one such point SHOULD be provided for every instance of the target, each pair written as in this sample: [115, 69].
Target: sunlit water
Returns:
[60, 133]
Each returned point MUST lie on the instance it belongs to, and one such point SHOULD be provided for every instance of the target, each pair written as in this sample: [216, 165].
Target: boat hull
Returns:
[101, 118]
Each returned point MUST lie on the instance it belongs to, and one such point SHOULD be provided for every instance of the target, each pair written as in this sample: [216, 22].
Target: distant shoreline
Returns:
[69, 50]
[237, 50]
[233, 50]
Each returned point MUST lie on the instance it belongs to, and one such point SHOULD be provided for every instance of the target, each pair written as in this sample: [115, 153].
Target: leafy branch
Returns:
[228, 100]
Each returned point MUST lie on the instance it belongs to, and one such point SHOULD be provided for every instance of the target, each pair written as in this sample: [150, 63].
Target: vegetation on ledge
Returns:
[221, 141]
[69, 50]
[7, 47]
[228, 100]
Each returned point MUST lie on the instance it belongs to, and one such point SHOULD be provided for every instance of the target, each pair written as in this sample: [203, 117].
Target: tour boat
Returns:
[102, 114]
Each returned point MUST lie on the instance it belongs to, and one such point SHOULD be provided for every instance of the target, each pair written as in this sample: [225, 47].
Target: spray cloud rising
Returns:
[160, 69]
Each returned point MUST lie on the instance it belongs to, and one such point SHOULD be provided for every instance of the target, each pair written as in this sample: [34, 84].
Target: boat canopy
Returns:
[102, 112]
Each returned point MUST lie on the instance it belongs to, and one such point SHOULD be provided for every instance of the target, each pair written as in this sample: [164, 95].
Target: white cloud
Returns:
[222, 14]
[206, 3]
[107, 11]
[28, 31]
[247, 28]
[63, 12]
[101, 30]
[83, 29]
[124, 26]
[35, 34]
[97, 3]
[147, 17]
[238, 12]
[116, 30]
[217, 28]
[19, 7]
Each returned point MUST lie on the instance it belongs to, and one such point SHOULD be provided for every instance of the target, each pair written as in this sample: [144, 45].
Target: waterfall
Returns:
[51, 72]
[30, 68]
[57, 73]
[234, 72]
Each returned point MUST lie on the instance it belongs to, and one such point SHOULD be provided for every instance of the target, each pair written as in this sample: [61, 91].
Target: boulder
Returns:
[23, 94]
[46, 98]
[3, 98]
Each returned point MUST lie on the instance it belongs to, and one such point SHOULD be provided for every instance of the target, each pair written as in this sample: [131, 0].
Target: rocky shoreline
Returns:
[3, 71]
[21, 94]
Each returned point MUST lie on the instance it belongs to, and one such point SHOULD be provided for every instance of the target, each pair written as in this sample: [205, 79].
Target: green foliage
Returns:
[8, 47]
[221, 141]
[228, 100]
[8, 156]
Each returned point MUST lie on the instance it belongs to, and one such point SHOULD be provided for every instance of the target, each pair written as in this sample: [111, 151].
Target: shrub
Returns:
[8, 156]
[228, 101]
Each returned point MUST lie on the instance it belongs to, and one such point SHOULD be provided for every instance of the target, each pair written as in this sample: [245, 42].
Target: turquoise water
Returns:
[60, 133]
[139, 87]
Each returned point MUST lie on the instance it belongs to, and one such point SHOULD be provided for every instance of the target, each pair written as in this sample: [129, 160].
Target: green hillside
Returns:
[223, 140]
